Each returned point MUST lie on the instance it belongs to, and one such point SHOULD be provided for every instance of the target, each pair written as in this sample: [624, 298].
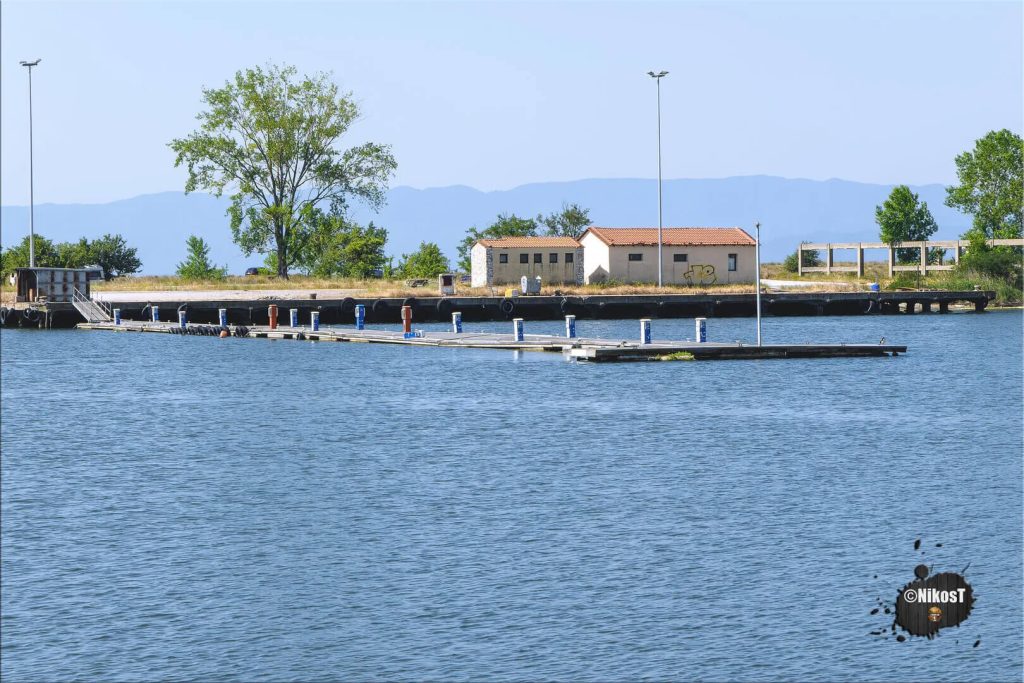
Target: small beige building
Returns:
[690, 256]
[556, 260]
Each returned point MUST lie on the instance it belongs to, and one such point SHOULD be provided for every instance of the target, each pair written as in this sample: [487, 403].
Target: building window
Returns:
[524, 258]
[679, 258]
[732, 262]
[502, 258]
[538, 258]
[552, 258]
[636, 257]
[569, 257]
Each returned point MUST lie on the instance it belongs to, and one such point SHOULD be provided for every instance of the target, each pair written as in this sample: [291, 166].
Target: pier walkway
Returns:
[582, 348]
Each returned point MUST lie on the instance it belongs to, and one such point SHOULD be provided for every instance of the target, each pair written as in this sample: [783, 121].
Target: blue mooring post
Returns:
[701, 333]
[517, 329]
[117, 316]
[293, 317]
[645, 331]
[570, 327]
[457, 322]
[222, 316]
[182, 319]
[156, 314]
[360, 316]
[314, 320]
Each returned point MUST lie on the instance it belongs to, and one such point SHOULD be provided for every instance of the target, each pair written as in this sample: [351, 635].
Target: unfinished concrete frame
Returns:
[922, 267]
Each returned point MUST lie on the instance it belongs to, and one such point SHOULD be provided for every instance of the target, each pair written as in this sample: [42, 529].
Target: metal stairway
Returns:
[92, 311]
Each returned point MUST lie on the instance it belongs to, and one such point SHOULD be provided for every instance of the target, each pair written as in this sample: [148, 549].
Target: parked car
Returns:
[252, 271]
[377, 272]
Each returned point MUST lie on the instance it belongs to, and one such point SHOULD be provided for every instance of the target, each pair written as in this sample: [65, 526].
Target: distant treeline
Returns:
[110, 252]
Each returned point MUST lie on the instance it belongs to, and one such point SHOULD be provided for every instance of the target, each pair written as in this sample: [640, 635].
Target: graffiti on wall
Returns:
[700, 275]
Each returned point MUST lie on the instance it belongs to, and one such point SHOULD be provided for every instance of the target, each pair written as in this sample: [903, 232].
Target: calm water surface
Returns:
[196, 508]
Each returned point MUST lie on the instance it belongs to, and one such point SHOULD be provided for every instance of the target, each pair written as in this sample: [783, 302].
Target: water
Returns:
[206, 509]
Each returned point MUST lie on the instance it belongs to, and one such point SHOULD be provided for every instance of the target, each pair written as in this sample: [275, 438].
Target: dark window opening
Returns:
[569, 257]
[538, 258]
[524, 258]
[552, 258]
[636, 257]
[732, 261]
[679, 258]
[502, 258]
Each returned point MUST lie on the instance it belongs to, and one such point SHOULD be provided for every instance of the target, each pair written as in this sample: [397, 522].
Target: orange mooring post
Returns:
[272, 313]
[407, 319]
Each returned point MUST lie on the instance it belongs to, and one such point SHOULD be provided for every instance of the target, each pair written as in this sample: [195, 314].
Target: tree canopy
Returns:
[197, 265]
[507, 225]
[992, 185]
[427, 261]
[571, 221]
[339, 247]
[271, 139]
[904, 218]
[110, 252]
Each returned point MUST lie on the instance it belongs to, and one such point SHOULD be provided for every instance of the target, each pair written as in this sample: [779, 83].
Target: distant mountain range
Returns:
[790, 211]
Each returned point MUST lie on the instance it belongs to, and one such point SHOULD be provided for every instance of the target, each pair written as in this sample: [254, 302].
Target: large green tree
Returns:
[507, 225]
[271, 139]
[74, 254]
[338, 246]
[571, 221]
[112, 253]
[991, 186]
[197, 264]
[427, 261]
[904, 218]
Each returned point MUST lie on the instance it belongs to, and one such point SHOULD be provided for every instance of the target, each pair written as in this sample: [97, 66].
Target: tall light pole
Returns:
[31, 193]
[757, 284]
[657, 78]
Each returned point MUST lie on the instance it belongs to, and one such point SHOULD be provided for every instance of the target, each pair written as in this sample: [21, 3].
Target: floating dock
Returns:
[582, 348]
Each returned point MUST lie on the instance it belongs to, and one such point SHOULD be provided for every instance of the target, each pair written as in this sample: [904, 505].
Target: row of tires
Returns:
[210, 331]
[12, 316]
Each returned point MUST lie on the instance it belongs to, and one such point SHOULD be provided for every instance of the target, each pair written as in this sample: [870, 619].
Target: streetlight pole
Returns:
[661, 266]
[757, 259]
[31, 192]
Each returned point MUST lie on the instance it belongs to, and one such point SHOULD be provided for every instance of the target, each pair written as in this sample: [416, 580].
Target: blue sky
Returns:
[495, 95]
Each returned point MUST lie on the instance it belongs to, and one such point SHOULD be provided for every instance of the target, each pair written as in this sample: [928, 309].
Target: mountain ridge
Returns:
[790, 210]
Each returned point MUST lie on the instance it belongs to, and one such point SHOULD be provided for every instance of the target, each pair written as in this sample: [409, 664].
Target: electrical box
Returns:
[446, 284]
[530, 285]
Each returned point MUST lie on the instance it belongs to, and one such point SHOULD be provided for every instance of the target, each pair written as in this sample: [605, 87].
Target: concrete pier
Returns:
[479, 309]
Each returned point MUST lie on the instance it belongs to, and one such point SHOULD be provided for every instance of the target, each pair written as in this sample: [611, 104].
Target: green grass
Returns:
[961, 281]
[678, 355]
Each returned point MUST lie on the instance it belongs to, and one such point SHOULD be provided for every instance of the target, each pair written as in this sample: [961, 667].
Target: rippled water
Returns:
[196, 508]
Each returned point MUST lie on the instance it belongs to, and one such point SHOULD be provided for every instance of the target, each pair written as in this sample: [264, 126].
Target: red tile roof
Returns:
[528, 242]
[673, 237]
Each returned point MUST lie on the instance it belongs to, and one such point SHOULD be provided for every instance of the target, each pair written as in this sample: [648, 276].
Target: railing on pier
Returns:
[92, 311]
